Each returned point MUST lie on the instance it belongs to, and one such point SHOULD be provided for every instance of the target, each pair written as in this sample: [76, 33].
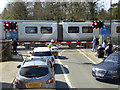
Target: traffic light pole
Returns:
[110, 17]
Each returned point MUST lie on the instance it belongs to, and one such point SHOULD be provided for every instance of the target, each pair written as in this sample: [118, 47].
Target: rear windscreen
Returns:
[30, 72]
[42, 54]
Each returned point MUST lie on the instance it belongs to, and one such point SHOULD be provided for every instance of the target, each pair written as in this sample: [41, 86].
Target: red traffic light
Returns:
[7, 25]
[98, 24]
[10, 25]
[95, 23]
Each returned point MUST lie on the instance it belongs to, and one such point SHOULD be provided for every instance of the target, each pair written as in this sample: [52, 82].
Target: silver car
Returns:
[35, 74]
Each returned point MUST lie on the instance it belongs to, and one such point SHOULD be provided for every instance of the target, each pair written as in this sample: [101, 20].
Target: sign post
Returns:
[8, 35]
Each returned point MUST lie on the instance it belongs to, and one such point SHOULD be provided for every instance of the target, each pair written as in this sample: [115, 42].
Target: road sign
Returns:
[106, 30]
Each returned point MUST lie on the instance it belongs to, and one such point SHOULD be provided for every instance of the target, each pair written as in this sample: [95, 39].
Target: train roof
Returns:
[28, 21]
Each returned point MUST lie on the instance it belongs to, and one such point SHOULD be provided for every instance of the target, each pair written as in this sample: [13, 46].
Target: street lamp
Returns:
[110, 16]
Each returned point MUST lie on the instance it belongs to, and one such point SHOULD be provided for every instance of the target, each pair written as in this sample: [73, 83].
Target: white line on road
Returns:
[86, 56]
[65, 75]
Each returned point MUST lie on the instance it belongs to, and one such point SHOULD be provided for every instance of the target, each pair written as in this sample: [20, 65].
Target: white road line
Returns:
[87, 56]
[65, 75]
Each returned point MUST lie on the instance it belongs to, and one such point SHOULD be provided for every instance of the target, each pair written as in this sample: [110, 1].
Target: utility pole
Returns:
[110, 17]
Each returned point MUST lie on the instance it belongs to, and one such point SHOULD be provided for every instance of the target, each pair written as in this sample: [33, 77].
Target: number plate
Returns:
[33, 85]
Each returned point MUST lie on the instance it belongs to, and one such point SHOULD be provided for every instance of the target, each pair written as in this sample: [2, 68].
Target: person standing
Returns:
[94, 44]
[14, 44]
[108, 48]
[103, 44]
[51, 44]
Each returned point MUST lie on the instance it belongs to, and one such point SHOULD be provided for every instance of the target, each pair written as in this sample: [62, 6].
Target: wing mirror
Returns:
[18, 66]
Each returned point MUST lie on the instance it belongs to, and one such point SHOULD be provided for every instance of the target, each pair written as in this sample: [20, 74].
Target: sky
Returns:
[3, 4]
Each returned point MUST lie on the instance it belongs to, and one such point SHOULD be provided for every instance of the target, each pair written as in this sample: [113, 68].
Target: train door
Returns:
[60, 33]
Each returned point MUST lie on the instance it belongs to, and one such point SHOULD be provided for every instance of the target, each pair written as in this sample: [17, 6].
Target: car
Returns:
[35, 74]
[43, 52]
[109, 69]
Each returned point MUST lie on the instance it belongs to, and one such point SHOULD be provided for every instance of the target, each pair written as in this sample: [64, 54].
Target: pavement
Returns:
[7, 72]
[92, 56]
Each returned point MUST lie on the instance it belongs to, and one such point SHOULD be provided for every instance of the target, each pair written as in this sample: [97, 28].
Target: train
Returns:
[39, 31]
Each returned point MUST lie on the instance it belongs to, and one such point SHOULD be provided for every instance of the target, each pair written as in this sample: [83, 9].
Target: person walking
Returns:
[14, 44]
[94, 44]
[108, 48]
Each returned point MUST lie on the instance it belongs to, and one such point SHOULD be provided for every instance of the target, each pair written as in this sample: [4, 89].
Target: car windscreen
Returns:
[30, 72]
[113, 58]
[42, 53]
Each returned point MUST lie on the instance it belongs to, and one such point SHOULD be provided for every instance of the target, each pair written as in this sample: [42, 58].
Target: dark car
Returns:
[109, 68]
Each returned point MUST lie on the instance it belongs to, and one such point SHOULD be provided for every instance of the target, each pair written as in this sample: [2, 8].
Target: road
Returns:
[72, 70]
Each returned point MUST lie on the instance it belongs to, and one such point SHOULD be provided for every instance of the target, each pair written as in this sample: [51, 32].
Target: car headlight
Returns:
[112, 72]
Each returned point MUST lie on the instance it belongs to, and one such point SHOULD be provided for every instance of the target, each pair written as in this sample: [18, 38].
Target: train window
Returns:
[118, 29]
[46, 30]
[73, 29]
[30, 30]
[87, 30]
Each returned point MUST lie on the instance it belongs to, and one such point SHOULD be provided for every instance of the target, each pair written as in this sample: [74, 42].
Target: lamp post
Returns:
[110, 17]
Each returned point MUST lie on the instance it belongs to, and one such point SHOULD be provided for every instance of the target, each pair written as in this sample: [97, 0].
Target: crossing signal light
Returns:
[98, 24]
[10, 26]
[7, 25]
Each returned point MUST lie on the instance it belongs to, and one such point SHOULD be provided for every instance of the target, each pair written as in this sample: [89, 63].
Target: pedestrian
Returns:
[108, 48]
[100, 46]
[14, 44]
[103, 44]
[94, 44]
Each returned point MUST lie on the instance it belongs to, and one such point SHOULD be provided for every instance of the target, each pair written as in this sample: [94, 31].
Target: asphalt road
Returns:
[72, 70]
[79, 70]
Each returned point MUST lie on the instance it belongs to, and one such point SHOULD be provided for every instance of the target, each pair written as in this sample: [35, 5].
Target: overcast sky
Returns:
[3, 3]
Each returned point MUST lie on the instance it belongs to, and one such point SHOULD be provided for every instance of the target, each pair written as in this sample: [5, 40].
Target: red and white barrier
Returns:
[54, 42]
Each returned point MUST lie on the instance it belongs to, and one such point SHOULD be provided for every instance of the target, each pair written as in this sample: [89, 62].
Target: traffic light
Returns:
[10, 26]
[97, 24]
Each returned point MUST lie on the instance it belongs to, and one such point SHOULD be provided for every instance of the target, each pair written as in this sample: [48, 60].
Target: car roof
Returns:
[41, 49]
[36, 62]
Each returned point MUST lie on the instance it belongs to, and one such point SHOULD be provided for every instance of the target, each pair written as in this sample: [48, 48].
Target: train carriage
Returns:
[71, 33]
[29, 30]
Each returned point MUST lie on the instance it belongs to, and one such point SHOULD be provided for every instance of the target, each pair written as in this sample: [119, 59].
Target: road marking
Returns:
[65, 75]
[86, 56]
